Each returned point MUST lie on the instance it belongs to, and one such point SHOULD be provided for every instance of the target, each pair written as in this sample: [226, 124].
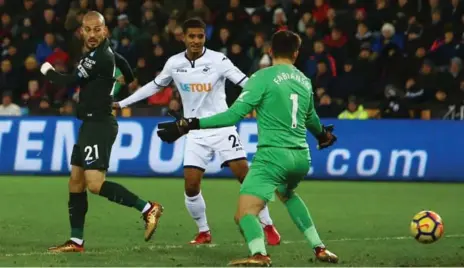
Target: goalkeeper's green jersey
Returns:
[283, 99]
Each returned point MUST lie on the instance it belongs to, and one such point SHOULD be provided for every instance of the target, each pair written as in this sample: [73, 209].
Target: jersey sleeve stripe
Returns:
[239, 82]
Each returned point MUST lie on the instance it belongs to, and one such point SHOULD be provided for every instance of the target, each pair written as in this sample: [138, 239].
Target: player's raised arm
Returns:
[153, 87]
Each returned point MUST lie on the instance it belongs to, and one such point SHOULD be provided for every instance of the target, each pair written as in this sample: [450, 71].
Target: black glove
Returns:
[170, 131]
[326, 138]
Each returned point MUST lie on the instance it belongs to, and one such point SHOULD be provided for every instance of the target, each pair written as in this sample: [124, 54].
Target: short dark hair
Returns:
[284, 44]
[193, 23]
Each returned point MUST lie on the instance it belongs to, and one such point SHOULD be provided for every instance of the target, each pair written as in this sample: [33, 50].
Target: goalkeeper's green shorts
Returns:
[275, 169]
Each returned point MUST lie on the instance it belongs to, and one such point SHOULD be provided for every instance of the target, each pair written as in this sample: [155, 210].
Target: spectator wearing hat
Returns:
[354, 111]
[124, 28]
[8, 108]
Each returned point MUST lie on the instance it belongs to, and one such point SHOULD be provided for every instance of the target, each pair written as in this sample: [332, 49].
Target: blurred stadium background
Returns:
[387, 73]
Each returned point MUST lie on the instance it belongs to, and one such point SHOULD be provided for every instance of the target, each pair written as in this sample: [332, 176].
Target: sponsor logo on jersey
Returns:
[196, 87]
[181, 71]
[206, 69]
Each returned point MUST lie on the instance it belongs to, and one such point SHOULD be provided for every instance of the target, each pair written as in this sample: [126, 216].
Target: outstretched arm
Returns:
[153, 87]
[228, 118]
[251, 97]
[142, 93]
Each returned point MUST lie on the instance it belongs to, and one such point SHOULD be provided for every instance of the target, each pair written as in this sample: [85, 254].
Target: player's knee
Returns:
[192, 187]
[192, 190]
[76, 186]
[94, 187]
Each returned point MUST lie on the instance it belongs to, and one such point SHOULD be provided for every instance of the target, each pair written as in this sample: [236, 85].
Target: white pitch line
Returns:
[158, 247]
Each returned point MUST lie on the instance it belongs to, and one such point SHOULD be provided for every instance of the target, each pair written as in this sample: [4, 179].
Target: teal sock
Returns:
[253, 233]
[77, 233]
[302, 219]
[140, 204]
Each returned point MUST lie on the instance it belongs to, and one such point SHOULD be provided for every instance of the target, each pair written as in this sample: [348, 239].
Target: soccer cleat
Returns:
[201, 238]
[151, 218]
[257, 260]
[272, 236]
[322, 254]
[68, 246]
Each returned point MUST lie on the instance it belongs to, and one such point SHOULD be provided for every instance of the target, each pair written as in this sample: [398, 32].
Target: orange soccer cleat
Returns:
[151, 218]
[257, 260]
[324, 255]
[68, 246]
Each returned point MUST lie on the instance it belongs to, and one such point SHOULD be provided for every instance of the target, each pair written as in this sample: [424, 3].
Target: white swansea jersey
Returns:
[201, 83]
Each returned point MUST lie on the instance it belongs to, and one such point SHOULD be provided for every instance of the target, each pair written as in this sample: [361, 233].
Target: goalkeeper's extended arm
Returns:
[228, 118]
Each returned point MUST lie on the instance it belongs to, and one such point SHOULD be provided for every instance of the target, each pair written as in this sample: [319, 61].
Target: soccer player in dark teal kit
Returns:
[91, 155]
[283, 99]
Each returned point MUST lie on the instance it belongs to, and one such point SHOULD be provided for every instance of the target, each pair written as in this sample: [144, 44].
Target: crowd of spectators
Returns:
[393, 55]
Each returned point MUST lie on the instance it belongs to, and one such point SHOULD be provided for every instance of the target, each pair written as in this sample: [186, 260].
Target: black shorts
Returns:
[93, 148]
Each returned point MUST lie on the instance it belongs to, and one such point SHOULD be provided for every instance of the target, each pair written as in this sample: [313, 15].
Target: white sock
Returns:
[146, 208]
[197, 208]
[77, 241]
[264, 217]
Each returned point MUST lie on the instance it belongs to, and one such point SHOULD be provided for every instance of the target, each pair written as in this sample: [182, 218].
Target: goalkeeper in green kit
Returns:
[283, 99]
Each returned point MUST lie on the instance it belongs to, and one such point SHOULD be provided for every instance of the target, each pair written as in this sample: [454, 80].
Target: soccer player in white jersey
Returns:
[200, 75]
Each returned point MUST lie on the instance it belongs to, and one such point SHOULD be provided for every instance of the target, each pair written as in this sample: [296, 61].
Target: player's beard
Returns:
[90, 46]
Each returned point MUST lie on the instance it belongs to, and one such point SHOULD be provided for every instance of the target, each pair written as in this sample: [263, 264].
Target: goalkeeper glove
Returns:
[171, 131]
[326, 138]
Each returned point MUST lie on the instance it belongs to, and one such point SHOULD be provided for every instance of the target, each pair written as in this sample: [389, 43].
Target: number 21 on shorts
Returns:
[294, 98]
[91, 152]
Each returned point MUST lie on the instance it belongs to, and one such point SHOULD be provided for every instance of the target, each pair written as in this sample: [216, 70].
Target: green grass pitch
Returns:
[365, 223]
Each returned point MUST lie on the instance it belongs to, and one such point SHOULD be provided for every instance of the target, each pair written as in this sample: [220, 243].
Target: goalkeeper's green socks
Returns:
[301, 217]
[253, 233]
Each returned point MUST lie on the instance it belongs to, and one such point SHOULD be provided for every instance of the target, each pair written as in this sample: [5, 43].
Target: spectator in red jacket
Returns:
[320, 11]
